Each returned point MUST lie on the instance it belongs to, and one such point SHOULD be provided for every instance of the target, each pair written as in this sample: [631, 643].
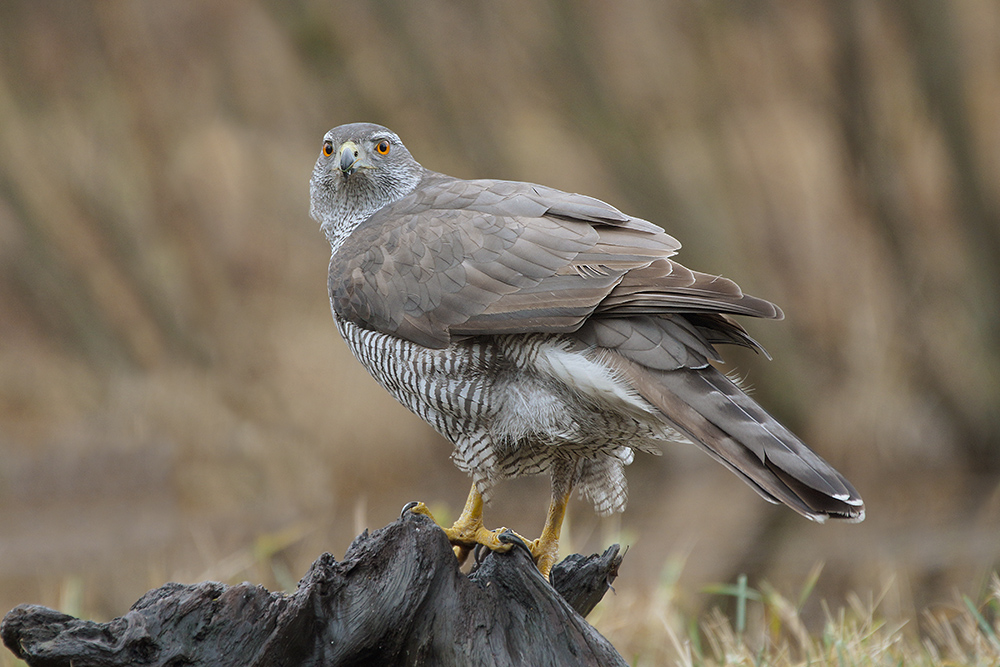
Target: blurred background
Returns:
[176, 404]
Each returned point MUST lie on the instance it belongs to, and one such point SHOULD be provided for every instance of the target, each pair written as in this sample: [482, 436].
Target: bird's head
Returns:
[361, 168]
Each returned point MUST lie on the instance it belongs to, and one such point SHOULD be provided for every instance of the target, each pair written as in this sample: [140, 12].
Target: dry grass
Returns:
[768, 628]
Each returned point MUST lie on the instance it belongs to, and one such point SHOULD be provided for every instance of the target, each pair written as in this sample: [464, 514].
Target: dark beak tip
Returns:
[347, 161]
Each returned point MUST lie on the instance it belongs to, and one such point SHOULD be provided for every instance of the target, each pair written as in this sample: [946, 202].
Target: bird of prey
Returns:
[543, 332]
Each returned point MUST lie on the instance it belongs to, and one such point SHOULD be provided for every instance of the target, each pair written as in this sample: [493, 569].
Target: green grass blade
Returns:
[983, 625]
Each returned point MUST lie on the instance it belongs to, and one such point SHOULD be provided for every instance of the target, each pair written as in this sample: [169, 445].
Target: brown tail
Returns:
[707, 407]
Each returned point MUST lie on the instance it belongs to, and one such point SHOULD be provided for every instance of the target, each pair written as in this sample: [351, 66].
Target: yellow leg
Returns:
[468, 530]
[546, 548]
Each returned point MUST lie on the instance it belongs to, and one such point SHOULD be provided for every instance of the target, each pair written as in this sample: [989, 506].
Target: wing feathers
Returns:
[666, 286]
[459, 258]
[729, 425]
[662, 343]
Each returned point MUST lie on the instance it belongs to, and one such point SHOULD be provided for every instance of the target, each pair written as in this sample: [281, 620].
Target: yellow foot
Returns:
[467, 532]
[465, 537]
[545, 552]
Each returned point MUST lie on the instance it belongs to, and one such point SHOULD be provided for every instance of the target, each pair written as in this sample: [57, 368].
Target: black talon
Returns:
[510, 537]
[479, 554]
[407, 507]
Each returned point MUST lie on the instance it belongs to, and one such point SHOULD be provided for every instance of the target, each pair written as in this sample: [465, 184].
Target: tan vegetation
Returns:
[175, 402]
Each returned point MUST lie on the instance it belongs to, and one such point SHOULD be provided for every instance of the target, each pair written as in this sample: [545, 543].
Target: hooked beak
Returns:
[349, 156]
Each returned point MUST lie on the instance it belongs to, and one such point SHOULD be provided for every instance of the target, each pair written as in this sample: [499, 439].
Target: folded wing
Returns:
[463, 258]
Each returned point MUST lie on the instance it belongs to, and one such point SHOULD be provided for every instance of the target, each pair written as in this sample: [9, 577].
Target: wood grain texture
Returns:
[397, 598]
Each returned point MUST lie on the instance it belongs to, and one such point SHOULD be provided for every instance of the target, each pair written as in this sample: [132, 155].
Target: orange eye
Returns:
[327, 148]
[382, 147]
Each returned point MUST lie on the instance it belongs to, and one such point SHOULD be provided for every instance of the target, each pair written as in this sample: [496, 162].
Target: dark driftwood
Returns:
[397, 598]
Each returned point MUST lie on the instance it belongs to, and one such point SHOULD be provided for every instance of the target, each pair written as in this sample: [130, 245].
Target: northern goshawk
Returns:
[543, 332]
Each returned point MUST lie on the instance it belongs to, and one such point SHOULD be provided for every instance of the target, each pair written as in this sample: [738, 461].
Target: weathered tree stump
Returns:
[397, 598]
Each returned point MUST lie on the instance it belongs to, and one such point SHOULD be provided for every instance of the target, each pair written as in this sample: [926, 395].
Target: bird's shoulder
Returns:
[436, 194]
